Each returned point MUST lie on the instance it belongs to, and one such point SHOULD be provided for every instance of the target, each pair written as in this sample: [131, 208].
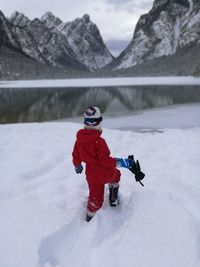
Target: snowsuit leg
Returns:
[96, 196]
[96, 191]
[115, 178]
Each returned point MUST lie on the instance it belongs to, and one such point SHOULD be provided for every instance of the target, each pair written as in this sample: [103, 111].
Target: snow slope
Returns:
[167, 27]
[42, 201]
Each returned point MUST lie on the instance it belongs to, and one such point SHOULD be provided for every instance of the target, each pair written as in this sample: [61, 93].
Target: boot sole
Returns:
[115, 204]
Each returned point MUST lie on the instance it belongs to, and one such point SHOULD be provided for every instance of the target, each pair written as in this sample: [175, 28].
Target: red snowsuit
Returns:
[101, 169]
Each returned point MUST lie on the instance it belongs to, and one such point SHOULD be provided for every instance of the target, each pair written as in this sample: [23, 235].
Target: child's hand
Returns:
[79, 169]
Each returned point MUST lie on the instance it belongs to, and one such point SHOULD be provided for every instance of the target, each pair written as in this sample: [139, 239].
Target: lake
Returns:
[55, 103]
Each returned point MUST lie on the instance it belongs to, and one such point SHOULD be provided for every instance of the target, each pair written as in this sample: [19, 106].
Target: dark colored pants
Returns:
[96, 192]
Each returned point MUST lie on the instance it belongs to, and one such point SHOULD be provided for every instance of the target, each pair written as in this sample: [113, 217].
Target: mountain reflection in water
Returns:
[45, 104]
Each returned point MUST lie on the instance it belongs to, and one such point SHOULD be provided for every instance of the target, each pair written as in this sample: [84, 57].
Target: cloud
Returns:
[65, 9]
[146, 4]
[116, 46]
[130, 5]
[116, 19]
[118, 2]
[113, 23]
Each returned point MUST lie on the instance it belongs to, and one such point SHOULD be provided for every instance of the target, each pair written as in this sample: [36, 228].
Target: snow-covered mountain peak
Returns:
[86, 18]
[167, 3]
[78, 24]
[76, 44]
[169, 25]
[85, 40]
[19, 19]
[158, 3]
[50, 20]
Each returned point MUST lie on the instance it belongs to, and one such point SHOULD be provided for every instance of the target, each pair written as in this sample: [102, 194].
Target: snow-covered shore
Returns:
[102, 82]
[156, 119]
[173, 117]
[42, 200]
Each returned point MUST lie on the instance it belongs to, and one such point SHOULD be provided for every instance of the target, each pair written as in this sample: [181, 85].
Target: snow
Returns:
[103, 82]
[177, 34]
[50, 20]
[175, 116]
[42, 200]
[191, 6]
[149, 120]
[18, 19]
[163, 31]
[135, 51]
[85, 40]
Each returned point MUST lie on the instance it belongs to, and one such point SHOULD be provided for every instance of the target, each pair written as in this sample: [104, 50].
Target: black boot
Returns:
[89, 215]
[113, 197]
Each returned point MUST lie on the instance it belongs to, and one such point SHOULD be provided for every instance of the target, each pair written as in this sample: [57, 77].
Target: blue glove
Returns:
[79, 169]
[125, 163]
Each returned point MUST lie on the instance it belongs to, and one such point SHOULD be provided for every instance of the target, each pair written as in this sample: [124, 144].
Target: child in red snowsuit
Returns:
[92, 149]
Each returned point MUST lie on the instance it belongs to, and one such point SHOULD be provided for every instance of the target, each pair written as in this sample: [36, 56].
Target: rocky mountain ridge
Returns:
[166, 41]
[77, 44]
[169, 26]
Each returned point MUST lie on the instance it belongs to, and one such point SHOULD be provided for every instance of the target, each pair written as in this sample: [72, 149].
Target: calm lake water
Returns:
[46, 104]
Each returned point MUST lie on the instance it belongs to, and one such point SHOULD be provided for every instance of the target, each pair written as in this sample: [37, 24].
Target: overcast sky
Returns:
[116, 19]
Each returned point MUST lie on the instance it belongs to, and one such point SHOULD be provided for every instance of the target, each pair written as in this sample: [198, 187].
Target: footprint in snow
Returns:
[63, 246]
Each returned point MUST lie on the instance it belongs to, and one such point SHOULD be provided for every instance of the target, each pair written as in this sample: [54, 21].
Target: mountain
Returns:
[170, 27]
[164, 43]
[72, 45]
[182, 63]
[15, 65]
[84, 39]
[6, 35]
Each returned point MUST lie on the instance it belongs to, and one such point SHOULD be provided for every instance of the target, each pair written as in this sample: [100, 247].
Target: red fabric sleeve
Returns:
[103, 154]
[75, 156]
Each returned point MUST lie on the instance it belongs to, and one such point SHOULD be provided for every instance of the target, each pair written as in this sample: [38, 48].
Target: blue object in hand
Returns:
[125, 163]
[79, 169]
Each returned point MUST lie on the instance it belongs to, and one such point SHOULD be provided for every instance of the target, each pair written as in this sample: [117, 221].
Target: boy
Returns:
[101, 168]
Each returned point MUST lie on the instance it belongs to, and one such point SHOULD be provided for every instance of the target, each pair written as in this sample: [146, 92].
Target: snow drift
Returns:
[43, 201]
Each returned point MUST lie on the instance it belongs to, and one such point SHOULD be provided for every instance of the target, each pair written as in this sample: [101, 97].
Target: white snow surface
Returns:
[42, 200]
[173, 117]
[103, 82]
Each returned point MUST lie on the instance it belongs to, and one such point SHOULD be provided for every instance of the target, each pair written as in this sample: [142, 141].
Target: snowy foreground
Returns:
[42, 201]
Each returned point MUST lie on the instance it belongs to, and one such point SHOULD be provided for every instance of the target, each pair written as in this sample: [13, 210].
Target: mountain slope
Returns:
[168, 27]
[38, 42]
[182, 63]
[84, 39]
[15, 65]
[72, 45]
